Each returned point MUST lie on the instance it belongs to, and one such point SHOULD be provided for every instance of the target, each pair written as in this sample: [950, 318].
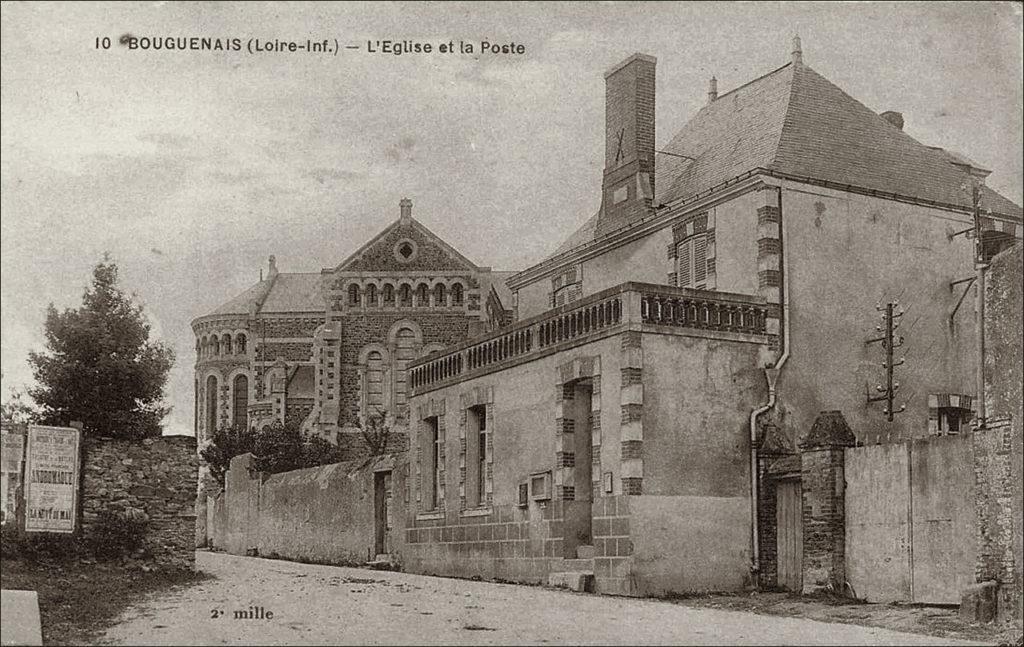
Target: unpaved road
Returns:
[317, 605]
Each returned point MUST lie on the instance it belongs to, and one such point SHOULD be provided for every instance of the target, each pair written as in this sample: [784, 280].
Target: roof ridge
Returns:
[740, 87]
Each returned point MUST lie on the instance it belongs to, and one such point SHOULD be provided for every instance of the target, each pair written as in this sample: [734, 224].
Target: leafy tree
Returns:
[277, 448]
[376, 430]
[226, 443]
[17, 409]
[100, 366]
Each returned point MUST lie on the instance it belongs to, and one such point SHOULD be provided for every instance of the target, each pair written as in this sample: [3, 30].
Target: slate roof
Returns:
[293, 292]
[240, 304]
[497, 281]
[794, 121]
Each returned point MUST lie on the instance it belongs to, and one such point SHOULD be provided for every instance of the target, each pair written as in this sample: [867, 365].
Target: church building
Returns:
[325, 348]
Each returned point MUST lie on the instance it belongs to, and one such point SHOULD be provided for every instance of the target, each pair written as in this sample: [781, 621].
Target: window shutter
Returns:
[684, 264]
[700, 263]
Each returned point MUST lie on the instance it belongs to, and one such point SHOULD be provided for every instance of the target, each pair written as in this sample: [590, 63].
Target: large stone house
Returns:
[626, 405]
[666, 359]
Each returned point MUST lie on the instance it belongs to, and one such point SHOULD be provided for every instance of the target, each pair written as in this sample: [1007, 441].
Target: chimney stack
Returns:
[894, 118]
[405, 209]
[798, 53]
[712, 89]
[628, 186]
[272, 269]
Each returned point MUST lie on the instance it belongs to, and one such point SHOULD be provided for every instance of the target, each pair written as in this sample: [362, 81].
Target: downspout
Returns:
[771, 374]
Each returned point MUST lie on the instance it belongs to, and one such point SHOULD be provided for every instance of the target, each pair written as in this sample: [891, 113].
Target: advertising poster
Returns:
[51, 479]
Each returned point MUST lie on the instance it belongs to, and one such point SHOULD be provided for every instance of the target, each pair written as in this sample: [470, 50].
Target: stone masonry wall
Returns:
[156, 476]
[998, 447]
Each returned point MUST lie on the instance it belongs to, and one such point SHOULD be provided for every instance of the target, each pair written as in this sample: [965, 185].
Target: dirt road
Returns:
[303, 604]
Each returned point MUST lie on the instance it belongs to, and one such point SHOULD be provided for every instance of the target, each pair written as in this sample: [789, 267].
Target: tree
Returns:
[277, 448]
[17, 410]
[100, 366]
[376, 430]
[226, 443]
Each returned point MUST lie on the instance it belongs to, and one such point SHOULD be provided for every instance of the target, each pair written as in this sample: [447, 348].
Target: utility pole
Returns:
[979, 284]
[890, 341]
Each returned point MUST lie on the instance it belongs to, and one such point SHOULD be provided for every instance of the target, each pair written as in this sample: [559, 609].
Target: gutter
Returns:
[771, 374]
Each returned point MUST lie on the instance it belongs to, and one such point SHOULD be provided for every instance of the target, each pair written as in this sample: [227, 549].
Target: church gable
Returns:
[406, 246]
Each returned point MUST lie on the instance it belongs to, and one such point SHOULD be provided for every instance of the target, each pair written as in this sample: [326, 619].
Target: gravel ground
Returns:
[314, 605]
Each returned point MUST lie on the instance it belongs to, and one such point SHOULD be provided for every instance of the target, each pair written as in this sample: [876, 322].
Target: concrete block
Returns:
[978, 602]
[586, 552]
[19, 618]
[574, 581]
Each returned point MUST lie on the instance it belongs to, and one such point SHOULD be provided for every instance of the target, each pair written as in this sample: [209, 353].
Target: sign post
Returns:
[52, 468]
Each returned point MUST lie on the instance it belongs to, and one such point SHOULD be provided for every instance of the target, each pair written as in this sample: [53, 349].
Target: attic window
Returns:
[405, 251]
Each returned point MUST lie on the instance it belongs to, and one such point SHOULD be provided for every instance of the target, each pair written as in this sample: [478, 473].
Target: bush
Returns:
[36, 547]
[277, 448]
[117, 533]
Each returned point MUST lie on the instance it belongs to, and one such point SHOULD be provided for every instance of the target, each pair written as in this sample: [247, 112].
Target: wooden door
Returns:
[790, 536]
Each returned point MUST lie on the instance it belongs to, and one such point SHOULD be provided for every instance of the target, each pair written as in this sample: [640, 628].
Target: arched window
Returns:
[241, 400]
[405, 296]
[423, 295]
[374, 382]
[240, 344]
[371, 295]
[215, 342]
[353, 295]
[405, 352]
[389, 295]
[457, 294]
[440, 298]
[225, 344]
[211, 405]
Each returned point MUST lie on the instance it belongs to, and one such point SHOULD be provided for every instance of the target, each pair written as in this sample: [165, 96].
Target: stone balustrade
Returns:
[636, 306]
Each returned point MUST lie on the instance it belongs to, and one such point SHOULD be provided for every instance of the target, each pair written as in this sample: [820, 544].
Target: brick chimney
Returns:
[405, 209]
[628, 186]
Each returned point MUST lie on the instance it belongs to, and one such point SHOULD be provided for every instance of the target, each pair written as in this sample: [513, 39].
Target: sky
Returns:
[192, 167]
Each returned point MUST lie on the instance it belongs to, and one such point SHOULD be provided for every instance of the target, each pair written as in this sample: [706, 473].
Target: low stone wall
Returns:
[322, 514]
[156, 476]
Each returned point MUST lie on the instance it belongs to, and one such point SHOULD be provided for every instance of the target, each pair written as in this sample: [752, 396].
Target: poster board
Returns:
[51, 479]
[12, 452]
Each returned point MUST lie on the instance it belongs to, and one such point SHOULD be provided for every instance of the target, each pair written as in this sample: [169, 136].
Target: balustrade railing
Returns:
[629, 303]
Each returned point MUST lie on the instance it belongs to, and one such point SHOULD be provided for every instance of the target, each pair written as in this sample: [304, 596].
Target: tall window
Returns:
[405, 352]
[353, 295]
[457, 294]
[692, 262]
[211, 405]
[440, 297]
[389, 295]
[431, 449]
[422, 295]
[226, 344]
[241, 400]
[371, 295]
[405, 296]
[240, 344]
[476, 461]
[374, 382]
[195, 413]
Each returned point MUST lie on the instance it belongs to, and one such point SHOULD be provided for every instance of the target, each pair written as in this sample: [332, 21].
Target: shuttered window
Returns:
[692, 262]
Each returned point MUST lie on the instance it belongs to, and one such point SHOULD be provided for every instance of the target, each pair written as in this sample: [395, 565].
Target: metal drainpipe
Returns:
[771, 375]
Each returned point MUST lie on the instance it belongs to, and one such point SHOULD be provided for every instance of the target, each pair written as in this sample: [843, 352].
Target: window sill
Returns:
[477, 512]
[430, 516]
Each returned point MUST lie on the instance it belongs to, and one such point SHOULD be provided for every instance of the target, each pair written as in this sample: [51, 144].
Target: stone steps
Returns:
[575, 574]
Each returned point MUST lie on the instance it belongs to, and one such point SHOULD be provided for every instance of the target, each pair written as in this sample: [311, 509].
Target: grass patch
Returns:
[77, 601]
